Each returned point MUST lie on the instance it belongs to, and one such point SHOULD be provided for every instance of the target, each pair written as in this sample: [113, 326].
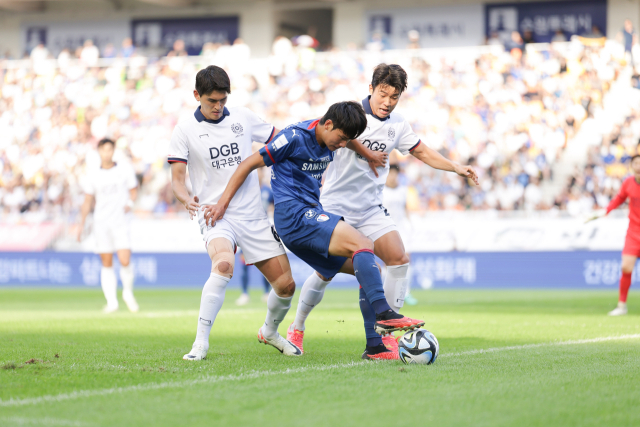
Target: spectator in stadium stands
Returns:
[527, 37]
[178, 49]
[629, 38]
[514, 121]
[559, 37]
[90, 53]
[414, 39]
[127, 48]
[39, 53]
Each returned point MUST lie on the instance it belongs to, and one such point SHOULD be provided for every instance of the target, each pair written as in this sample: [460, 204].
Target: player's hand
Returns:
[192, 206]
[596, 215]
[377, 159]
[79, 232]
[467, 172]
[212, 213]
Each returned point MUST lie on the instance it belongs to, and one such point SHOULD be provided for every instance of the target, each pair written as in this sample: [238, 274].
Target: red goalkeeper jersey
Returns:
[630, 189]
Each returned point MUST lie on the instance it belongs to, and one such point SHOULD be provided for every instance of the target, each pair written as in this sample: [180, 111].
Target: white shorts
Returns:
[112, 237]
[374, 223]
[256, 237]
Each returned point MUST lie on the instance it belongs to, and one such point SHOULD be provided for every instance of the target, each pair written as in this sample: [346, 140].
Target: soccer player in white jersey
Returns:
[352, 189]
[211, 143]
[114, 188]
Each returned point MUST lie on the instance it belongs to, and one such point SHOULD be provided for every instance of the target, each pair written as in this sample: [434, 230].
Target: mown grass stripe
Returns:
[260, 374]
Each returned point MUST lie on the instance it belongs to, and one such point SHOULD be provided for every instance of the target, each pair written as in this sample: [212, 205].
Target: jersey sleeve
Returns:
[87, 185]
[131, 180]
[261, 131]
[178, 147]
[408, 140]
[280, 148]
[620, 197]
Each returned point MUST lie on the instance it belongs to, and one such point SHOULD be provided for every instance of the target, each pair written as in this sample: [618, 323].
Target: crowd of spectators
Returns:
[513, 114]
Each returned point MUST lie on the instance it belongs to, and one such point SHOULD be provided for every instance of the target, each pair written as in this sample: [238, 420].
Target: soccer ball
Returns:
[418, 346]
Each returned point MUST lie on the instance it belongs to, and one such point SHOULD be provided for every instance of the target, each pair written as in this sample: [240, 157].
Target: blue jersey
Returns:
[298, 163]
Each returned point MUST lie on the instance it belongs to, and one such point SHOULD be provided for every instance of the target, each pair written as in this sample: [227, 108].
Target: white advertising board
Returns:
[59, 35]
[447, 26]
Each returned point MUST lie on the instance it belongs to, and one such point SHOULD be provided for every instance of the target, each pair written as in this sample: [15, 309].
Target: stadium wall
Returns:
[579, 270]
[258, 19]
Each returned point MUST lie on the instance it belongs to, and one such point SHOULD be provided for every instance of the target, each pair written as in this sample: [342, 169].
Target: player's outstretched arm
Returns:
[84, 211]
[438, 161]
[376, 159]
[178, 176]
[215, 212]
[615, 202]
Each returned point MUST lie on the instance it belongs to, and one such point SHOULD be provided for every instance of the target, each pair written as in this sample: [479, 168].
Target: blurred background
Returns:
[542, 98]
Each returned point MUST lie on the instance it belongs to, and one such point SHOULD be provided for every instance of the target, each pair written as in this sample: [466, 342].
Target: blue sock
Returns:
[369, 278]
[369, 316]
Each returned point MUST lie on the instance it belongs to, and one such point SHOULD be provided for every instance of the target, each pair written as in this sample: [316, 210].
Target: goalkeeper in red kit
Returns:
[630, 190]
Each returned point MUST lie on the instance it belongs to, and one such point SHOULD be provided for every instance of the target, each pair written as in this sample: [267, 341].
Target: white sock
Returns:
[277, 309]
[109, 285]
[395, 285]
[126, 275]
[210, 304]
[310, 296]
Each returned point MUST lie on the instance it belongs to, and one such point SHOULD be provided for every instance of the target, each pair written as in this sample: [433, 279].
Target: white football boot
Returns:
[620, 310]
[285, 347]
[243, 300]
[110, 308]
[131, 302]
[198, 352]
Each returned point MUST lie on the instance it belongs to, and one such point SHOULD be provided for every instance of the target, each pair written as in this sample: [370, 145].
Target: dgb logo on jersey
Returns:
[225, 150]
[323, 218]
[374, 145]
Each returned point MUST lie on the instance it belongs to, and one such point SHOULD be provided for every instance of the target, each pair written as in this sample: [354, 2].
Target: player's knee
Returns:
[364, 243]
[399, 260]
[284, 286]
[222, 264]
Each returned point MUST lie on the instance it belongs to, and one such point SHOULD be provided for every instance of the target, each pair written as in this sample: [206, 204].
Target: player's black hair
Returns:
[635, 156]
[106, 141]
[212, 79]
[395, 167]
[389, 75]
[347, 116]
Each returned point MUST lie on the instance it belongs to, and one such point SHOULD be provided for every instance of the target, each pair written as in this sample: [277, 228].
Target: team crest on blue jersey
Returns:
[237, 128]
[392, 133]
[310, 214]
[323, 218]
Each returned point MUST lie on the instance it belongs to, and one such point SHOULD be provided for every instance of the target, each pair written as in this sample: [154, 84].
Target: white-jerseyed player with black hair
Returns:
[114, 188]
[353, 189]
[211, 143]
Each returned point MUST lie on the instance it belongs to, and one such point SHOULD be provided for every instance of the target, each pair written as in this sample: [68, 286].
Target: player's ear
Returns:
[370, 89]
[328, 125]
[196, 95]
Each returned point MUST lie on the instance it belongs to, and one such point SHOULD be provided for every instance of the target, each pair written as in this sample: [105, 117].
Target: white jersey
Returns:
[213, 149]
[110, 187]
[350, 187]
[395, 202]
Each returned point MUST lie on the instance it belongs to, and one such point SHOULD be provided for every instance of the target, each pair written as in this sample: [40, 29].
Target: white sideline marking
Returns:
[42, 422]
[545, 344]
[259, 374]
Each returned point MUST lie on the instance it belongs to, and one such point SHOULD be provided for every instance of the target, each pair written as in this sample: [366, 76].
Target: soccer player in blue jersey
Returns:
[299, 155]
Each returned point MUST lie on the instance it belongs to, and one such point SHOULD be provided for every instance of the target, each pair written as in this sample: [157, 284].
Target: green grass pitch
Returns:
[552, 358]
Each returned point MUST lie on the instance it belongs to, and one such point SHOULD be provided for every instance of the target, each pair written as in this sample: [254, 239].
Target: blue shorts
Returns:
[306, 231]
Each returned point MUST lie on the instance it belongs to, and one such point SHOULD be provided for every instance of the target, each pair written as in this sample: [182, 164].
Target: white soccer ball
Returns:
[418, 346]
